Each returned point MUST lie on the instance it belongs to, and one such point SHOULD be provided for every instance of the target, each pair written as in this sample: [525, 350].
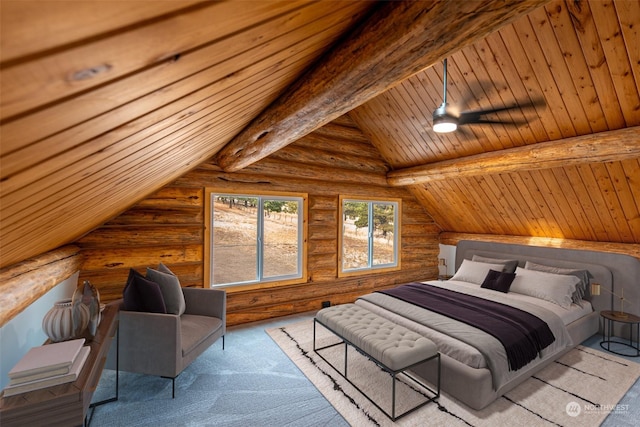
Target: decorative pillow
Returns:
[475, 272]
[170, 288]
[141, 294]
[498, 281]
[509, 264]
[583, 275]
[555, 288]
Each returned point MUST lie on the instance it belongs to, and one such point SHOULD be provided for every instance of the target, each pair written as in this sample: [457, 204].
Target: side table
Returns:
[610, 317]
[65, 404]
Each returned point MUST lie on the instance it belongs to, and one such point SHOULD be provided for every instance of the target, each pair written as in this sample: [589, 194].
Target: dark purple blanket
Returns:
[522, 334]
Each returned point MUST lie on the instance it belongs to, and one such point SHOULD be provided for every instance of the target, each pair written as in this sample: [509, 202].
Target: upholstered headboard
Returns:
[611, 270]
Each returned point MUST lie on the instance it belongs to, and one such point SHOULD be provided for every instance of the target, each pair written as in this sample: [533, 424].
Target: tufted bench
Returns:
[394, 348]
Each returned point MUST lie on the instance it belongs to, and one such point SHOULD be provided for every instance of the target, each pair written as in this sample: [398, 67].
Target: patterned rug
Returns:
[579, 389]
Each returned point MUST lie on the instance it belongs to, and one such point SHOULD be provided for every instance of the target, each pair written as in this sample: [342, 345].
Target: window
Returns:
[255, 238]
[369, 237]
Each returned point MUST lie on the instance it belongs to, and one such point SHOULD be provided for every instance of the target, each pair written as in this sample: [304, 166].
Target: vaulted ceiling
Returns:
[103, 103]
[583, 60]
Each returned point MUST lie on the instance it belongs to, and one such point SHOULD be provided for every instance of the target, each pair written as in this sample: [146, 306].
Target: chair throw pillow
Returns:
[170, 288]
[140, 294]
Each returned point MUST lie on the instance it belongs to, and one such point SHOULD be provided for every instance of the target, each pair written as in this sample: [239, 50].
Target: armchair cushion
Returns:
[140, 294]
[192, 328]
[170, 288]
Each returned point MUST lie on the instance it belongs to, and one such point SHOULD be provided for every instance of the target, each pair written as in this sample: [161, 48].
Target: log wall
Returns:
[168, 227]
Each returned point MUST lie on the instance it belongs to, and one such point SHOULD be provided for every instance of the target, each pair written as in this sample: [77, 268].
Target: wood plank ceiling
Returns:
[103, 103]
[95, 117]
[583, 58]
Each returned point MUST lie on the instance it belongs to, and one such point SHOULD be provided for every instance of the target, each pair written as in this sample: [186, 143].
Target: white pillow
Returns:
[475, 272]
[509, 264]
[555, 288]
[583, 275]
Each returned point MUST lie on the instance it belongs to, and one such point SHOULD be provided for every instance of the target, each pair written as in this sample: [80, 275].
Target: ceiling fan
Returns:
[445, 119]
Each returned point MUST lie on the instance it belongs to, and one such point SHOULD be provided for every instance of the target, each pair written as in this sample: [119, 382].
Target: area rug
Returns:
[579, 389]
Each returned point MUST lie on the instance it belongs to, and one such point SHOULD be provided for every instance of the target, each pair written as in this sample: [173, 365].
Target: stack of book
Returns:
[46, 366]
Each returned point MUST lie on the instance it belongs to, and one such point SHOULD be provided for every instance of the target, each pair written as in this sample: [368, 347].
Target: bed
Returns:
[475, 361]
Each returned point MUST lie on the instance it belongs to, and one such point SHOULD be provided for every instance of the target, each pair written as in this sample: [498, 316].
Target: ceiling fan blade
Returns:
[475, 116]
[498, 122]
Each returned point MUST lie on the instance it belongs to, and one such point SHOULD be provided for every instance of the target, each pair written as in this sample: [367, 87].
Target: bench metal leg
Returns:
[393, 396]
[346, 348]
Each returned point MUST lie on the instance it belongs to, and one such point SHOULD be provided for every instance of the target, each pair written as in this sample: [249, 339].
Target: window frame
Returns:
[208, 239]
[396, 236]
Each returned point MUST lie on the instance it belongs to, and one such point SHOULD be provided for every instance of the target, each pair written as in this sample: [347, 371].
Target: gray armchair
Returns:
[165, 344]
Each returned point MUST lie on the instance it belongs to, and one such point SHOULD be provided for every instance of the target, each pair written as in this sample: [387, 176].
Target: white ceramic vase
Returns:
[58, 322]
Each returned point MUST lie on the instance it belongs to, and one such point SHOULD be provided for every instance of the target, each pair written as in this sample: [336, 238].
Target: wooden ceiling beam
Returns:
[396, 41]
[598, 147]
[23, 283]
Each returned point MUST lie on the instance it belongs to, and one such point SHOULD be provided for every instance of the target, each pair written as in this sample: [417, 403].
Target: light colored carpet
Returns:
[580, 389]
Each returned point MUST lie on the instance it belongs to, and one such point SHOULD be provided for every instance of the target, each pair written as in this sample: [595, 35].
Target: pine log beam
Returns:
[397, 40]
[273, 167]
[23, 283]
[598, 147]
[631, 249]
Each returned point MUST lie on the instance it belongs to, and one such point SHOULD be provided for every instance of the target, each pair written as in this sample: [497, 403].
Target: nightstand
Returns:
[610, 317]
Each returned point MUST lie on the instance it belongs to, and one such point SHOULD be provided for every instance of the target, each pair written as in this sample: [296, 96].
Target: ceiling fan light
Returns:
[442, 121]
[444, 124]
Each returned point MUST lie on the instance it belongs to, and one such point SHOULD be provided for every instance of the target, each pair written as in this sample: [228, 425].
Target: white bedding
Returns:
[466, 353]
